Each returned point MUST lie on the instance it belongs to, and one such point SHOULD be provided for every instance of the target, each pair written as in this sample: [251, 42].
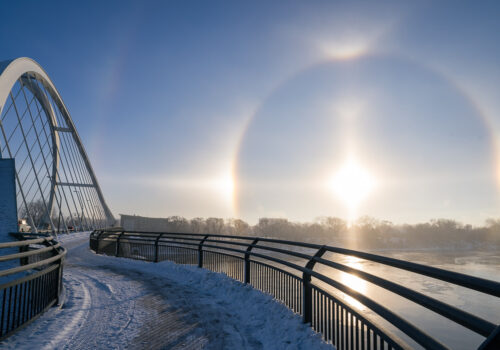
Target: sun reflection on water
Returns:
[353, 282]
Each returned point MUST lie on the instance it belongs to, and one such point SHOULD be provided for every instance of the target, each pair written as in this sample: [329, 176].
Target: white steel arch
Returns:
[36, 130]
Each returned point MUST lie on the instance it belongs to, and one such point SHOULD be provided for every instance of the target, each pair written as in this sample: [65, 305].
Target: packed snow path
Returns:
[116, 303]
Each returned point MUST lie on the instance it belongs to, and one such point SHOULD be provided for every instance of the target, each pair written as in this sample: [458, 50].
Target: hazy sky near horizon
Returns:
[278, 109]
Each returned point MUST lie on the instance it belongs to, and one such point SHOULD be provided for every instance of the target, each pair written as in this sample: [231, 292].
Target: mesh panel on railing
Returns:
[219, 262]
[344, 327]
[136, 250]
[283, 286]
[179, 255]
[107, 247]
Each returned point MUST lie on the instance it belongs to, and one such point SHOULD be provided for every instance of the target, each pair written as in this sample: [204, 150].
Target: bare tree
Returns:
[38, 213]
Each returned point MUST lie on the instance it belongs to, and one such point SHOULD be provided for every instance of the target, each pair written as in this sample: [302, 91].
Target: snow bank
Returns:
[269, 322]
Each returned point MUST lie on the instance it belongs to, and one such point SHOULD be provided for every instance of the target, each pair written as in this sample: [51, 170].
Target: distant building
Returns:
[142, 223]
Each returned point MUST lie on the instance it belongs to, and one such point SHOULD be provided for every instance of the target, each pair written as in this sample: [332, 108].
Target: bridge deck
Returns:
[120, 303]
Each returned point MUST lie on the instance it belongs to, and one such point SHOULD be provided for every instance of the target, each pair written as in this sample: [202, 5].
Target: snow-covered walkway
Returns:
[115, 303]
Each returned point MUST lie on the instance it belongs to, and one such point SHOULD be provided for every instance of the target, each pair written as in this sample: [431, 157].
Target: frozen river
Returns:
[476, 263]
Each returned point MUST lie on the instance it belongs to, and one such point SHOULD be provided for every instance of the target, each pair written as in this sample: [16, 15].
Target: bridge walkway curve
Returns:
[116, 303]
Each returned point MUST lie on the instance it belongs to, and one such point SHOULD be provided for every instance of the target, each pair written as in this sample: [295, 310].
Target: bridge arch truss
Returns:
[56, 188]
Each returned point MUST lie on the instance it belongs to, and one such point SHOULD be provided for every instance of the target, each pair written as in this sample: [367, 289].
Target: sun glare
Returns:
[346, 50]
[352, 184]
[225, 186]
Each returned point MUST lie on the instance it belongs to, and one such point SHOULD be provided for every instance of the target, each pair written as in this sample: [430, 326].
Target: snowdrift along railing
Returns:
[272, 266]
[29, 287]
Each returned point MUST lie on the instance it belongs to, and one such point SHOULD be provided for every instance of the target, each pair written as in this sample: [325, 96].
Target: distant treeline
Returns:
[366, 233]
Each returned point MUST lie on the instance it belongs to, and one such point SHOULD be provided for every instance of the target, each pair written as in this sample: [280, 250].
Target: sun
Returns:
[352, 184]
[225, 186]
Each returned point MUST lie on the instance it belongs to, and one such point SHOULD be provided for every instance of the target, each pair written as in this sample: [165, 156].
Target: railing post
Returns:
[97, 244]
[118, 243]
[59, 270]
[60, 280]
[492, 342]
[23, 261]
[156, 246]
[247, 261]
[200, 251]
[306, 286]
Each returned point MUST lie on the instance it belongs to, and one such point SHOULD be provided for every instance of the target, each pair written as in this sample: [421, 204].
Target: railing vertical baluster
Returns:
[294, 294]
[32, 286]
[330, 323]
[363, 335]
[334, 324]
[277, 284]
[342, 327]
[281, 285]
[8, 312]
[21, 296]
[3, 311]
[320, 311]
[356, 335]
[323, 316]
[21, 302]
[26, 304]
[369, 338]
[337, 337]
[316, 309]
[42, 289]
[38, 294]
[14, 318]
[278, 289]
[287, 290]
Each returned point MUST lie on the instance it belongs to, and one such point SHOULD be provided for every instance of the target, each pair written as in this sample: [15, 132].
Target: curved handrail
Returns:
[243, 247]
[38, 288]
[28, 253]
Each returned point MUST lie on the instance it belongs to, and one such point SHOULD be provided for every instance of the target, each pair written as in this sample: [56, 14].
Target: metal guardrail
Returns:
[24, 298]
[268, 265]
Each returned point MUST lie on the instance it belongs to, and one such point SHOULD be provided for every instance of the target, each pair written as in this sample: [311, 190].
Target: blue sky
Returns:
[228, 109]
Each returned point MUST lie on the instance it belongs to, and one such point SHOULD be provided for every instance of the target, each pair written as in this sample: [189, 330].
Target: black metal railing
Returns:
[31, 286]
[273, 266]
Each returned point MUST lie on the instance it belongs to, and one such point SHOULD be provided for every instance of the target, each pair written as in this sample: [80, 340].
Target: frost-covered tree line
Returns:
[366, 232]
